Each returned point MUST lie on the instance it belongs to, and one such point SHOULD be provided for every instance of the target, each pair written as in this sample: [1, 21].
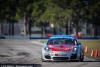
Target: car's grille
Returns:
[74, 56]
[60, 58]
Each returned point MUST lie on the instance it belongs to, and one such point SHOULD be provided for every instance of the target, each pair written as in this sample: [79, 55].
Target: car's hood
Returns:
[61, 48]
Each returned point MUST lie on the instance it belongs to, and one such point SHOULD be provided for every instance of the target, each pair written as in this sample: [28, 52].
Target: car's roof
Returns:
[63, 36]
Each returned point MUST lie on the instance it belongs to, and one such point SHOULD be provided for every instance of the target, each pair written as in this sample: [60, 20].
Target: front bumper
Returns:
[60, 56]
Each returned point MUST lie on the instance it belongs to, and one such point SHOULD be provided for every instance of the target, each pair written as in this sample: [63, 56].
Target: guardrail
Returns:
[38, 38]
[77, 38]
[89, 38]
[3, 37]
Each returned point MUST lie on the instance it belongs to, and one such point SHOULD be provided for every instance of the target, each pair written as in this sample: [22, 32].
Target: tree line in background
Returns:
[43, 12]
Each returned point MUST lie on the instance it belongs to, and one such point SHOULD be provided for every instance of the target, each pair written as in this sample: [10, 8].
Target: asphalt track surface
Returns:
[29, 52]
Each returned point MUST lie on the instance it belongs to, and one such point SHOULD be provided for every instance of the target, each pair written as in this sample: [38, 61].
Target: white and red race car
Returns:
[62, 48]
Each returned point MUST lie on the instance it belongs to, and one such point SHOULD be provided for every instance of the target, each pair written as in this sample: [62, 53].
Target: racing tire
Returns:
[81, 57]
[43, 60]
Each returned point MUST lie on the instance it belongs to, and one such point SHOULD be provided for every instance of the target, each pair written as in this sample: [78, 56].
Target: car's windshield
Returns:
[61, 41]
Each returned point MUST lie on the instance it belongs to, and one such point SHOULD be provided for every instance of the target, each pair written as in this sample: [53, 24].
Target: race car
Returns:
[62, 48]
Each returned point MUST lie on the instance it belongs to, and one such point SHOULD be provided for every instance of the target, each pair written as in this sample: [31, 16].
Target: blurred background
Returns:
[43, 18]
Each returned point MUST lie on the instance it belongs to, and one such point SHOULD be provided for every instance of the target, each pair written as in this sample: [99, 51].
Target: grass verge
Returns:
[91, 44]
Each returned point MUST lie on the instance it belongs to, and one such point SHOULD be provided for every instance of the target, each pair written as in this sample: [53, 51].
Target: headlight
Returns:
[47, 48]
[75, 49]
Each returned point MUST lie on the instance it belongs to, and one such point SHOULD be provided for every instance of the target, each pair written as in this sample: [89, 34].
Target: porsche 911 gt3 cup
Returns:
[62, 48]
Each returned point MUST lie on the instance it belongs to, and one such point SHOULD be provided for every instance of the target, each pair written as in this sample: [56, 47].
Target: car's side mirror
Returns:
[78, 43]
[45, 43]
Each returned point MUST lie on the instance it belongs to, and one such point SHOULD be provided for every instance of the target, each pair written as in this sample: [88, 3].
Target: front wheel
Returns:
[42, 59]
[81, 56]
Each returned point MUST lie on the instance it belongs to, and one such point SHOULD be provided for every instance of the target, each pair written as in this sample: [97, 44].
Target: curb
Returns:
[89, 59]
